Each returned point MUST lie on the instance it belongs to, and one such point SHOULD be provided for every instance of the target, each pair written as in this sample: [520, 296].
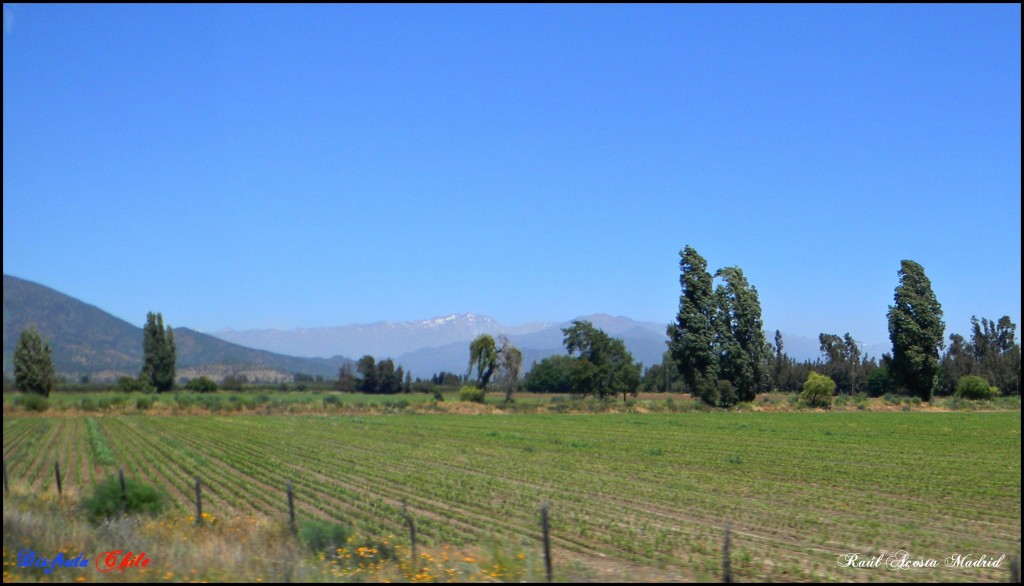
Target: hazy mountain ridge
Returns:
[444, 341]
[89, 341]
[381, 339]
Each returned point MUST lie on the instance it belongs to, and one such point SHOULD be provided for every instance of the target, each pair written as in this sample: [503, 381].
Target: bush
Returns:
[127, 384]
[726, 394]
[818, 390]
[33, 403]
[706, 390]
[471, 394]
[324, 536]
[143, 403]
[201, 385]
[330, 400]
[975, 388]
[107, 501]
[956, 403]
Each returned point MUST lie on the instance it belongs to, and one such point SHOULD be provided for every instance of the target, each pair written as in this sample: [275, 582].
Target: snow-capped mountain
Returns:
[380, 339]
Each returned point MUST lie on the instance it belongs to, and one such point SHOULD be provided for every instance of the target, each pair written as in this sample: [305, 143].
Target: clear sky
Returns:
[300, 166]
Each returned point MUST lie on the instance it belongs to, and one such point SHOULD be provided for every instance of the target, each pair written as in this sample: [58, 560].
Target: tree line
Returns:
[716, 350]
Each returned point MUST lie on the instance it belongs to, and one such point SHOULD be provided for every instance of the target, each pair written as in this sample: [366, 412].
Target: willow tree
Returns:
[489, 359]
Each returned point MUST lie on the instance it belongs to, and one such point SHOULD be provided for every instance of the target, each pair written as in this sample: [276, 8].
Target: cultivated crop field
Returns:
[650, 493]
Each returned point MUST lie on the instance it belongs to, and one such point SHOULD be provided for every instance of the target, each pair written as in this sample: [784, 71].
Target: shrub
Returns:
[143, 403]
[107, 500]
[975, 387]
[726, 394]
[33, 403]
[324, 536]
[330, 400]
[127, 384]
[892, 399]
[818, 390]
[201, 385]
[471, 394]
[87, 404]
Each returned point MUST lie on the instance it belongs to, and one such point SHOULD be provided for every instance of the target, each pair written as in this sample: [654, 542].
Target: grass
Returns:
[237, 549]
[629, 492]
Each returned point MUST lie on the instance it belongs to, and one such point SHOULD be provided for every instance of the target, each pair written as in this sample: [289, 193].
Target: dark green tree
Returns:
[347, 381]
[663, 377]
[692, 338]
[604, 366]
[916, 330]
[551, 375]
[389, 380]
[957, 362]
[740, 340]
[159, 354]
[33, 364]
[367, 367]
[778, 364]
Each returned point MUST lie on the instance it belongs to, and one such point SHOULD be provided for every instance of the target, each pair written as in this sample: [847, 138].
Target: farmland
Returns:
[651, 491]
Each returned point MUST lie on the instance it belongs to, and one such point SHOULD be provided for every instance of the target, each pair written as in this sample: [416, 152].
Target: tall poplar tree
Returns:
[916, 331]
[742, 347]
[692, 337]
[159, 354]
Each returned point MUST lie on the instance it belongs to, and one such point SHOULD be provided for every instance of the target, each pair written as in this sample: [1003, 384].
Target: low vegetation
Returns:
[649, 492]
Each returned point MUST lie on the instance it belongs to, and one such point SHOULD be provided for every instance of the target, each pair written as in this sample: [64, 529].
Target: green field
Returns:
[649, 494]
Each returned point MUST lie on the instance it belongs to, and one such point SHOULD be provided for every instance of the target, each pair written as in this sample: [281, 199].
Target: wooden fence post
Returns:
[199, 502]
[546, 529]
[726, 564]
[291, 508]
[124, 491]
[1015, 570]
[412, 536]
[56, 472]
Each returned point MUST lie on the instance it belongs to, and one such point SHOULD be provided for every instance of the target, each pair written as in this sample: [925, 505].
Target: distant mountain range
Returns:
[89, 341]
[440, 344]
[428, 346]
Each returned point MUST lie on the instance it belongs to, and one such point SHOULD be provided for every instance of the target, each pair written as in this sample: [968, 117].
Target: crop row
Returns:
[797, 489]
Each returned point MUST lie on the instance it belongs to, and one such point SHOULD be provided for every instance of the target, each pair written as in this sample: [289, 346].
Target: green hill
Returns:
[89, 341]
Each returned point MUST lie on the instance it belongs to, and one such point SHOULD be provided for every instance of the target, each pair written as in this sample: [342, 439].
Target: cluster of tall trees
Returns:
[717, 349]
[992, 352]
[376, 378]
[717, 340]
[597, 364]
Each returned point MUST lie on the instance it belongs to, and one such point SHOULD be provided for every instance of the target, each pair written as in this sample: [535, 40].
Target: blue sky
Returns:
[280, 166]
